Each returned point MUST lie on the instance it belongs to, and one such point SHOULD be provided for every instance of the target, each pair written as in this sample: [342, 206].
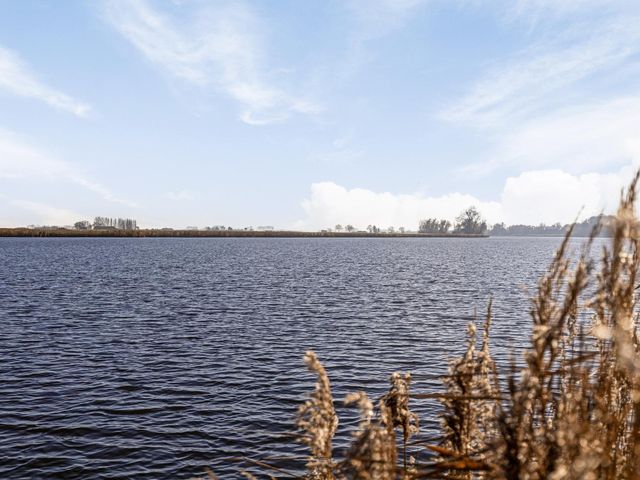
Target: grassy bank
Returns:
[63, 232]
[569, 410]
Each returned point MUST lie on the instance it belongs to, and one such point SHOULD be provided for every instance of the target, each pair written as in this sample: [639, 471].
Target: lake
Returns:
[152, 358]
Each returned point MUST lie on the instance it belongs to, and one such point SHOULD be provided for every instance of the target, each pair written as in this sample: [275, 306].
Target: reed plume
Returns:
[396, 401]
[373, 451]
[569, 410]
[468, 419]
[318, 420]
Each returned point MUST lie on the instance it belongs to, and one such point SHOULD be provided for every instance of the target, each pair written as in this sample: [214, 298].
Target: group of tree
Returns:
[433, 225]
[582, 229]
[500, 229]
[101, 223]
[469, 221]
[82, 225]
[370, 228]
[376, 229]
[218, 228]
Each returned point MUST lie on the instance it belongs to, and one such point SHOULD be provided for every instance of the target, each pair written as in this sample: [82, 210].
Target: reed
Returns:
[569, 410]
[318, 420]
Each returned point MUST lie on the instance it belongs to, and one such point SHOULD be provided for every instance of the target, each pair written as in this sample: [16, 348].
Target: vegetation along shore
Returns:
[569, 409]
[64, 232]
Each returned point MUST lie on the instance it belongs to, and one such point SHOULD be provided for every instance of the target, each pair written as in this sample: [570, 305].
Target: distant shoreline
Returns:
[153, 233]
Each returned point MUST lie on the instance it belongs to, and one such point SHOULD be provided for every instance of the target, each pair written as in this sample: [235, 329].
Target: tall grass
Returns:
[569, 410]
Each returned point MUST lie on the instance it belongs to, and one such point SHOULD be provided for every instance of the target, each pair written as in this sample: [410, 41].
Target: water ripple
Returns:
[153, 358]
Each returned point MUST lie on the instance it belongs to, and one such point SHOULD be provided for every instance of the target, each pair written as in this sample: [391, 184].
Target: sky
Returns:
[307, 114]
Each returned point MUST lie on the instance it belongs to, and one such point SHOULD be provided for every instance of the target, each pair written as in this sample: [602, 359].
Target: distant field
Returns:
[63, 232]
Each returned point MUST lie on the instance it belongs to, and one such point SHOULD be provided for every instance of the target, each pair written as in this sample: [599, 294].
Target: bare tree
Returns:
[115, 223]
[82, 225]
[470, 221]
[433, 225]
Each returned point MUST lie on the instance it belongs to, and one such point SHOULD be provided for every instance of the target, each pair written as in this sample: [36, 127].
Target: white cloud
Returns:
[17, 79]
[20, 160]
[224, 48]
[549, 196]
[330, 204]
[526, 82]
[533, 197]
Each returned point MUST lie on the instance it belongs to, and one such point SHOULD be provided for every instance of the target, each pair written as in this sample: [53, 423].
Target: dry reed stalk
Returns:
[372, 454]
[468, 420]
[615, 327]
[397, 401]
[572, 411]
[572, 414]
[317, 418]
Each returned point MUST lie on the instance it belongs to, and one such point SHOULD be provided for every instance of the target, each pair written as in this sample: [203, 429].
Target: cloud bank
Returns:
[533, 197]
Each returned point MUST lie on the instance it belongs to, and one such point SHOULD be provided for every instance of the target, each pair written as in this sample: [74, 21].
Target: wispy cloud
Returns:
[526, 82]
[535, 10]
[222, 48]
[17, 79]
[592, 136]
[376, 18]
[372, 20]
[21, 160]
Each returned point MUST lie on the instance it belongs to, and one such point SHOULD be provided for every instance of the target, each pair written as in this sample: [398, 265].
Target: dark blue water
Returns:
[153, 358]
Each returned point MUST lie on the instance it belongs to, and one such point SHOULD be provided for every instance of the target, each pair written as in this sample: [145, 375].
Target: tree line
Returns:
[469, 221]
[107, 223]
[581, 229]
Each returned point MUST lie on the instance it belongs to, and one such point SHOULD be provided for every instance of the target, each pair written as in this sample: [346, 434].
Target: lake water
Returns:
[152, 358]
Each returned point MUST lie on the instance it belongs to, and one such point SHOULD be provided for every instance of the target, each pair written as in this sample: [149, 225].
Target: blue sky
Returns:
[307, 114]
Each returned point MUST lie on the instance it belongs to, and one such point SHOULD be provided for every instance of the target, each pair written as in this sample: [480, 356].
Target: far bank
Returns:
[63, 232]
